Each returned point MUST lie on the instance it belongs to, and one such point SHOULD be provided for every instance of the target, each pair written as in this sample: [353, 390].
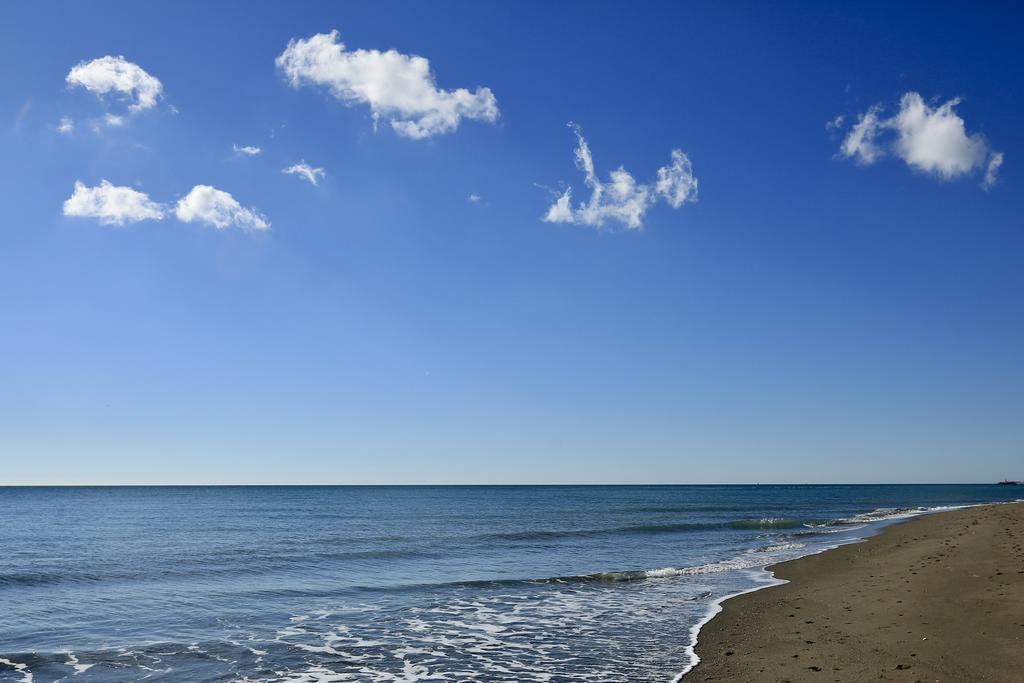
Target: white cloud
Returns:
[676, 183]
[305, 171]
[249, 150]
[994, 162]
[622, 199]
[117, 205]
[66, 126]
[117, 75]
[933, 140]
[561, 210]
[835, 123]
[113, 121]
[397, 87]
[860, 142]
[112, 204]
[474, 198]
[936, 140]
[215, 207]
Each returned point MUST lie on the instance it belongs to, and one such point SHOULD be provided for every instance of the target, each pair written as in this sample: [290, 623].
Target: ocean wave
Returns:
[772, 523]
[883, 514]
[42, 578]
[752, 558]
[755, 557]
[206, 567]
[768, 523]
[749, 560]
[739, 524]
[701, 508]
[778, 548]
[541, 534]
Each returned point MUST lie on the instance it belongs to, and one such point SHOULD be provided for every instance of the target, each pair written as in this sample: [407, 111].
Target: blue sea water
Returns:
[310, 584]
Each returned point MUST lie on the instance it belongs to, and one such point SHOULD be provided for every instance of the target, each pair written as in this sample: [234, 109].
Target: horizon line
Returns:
[508, 485]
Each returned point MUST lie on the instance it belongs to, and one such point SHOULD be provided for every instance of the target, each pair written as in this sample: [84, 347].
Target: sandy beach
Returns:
[939, 598]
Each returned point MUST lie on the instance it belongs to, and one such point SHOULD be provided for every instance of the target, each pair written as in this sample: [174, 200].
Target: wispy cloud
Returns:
[66, 126]
[930, 139]
[116, 75]
[622, 199]
[474, 198]
[249, 150]
[217, 208]
[994, 162]
[835, 123]
[112, 204]
[23, 111]
[398, 88]
[306, 172]
[860, 142]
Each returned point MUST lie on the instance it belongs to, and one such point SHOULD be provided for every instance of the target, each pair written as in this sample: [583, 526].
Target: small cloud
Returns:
[66, 126]
[117, 75]
[474, 198]
[113, 121]
[621, 198]
[206, 204]
[561, 210]
[112, 204]
[994, 162]
[398, 88]
[931, 139]
[250, 150]
[306, 172]
[860, 142]
[836, 123]
[676, 183]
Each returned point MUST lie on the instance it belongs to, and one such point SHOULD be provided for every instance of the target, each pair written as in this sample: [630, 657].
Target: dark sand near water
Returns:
[937, 598]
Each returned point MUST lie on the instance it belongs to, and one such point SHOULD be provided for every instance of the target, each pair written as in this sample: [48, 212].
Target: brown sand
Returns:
[937, 598]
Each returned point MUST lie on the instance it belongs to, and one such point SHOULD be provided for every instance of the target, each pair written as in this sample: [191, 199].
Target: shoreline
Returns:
[750, 635]
[766, 577]
[716, 608]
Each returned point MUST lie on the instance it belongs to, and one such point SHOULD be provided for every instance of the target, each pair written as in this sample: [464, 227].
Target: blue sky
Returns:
[805, 316]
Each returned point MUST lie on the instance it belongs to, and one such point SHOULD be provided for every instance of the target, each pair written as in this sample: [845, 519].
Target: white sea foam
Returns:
[74, 664]
[885, 514]
[315, 674]
[523, 636]
[781, 547]
[26, 674]
[750, 559]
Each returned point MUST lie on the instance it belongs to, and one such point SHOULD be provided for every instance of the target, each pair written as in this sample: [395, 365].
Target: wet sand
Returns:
[939, 598]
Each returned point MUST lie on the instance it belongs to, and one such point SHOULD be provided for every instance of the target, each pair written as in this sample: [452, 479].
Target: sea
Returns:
[313, 584]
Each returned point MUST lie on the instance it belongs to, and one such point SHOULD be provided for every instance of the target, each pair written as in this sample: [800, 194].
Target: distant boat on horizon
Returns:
[1007, 482]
